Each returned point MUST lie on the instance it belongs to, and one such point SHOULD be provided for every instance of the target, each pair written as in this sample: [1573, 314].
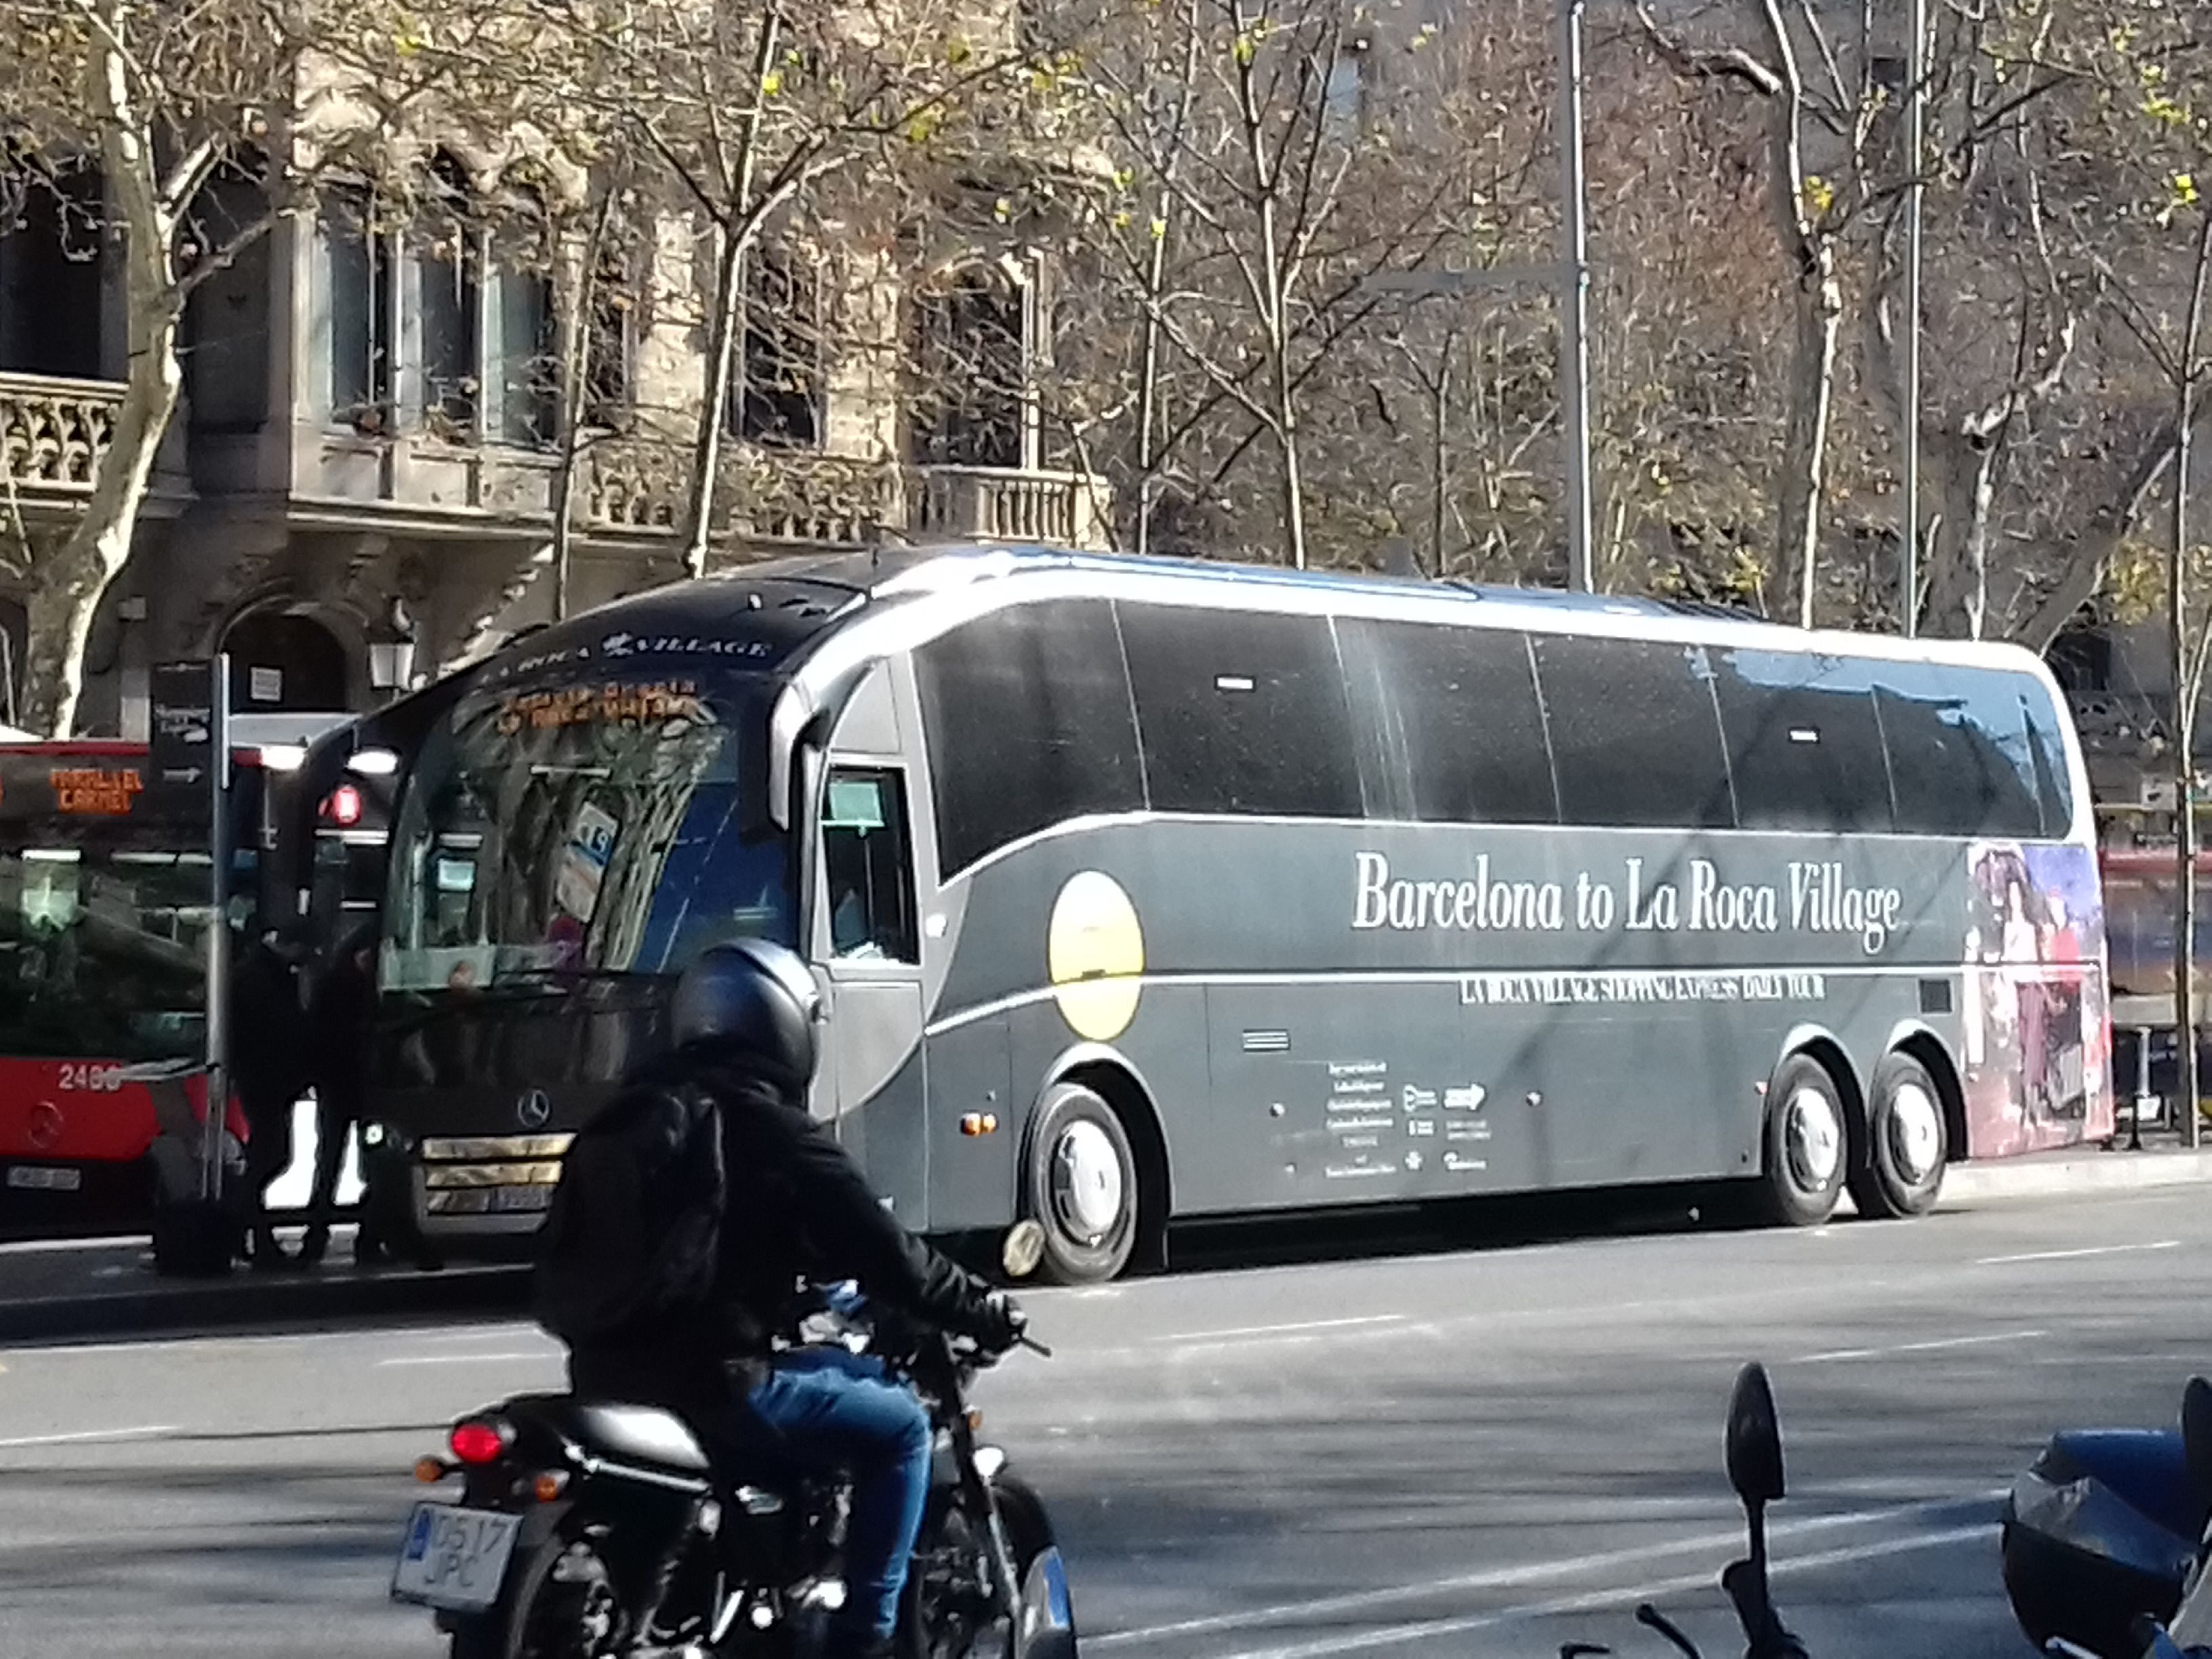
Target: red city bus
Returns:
[105, 906]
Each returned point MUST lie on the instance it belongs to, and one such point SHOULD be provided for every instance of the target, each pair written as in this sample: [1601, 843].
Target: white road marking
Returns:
[534, 1355]
[1940, 1344]
[1537, 1573]
[2079, 1255]
[1589, 1600]
[387, 1334]
[150, 1431]
[1297, 1329]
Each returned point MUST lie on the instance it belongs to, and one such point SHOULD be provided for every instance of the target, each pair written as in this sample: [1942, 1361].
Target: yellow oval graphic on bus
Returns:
[1095, 951]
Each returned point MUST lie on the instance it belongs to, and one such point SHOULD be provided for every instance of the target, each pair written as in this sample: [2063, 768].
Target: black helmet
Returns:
[753, 1002]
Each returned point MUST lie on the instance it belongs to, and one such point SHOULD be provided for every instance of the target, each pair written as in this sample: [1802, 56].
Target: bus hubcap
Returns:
[1815, 1139]
[1916, 1132]
[1087, 1181]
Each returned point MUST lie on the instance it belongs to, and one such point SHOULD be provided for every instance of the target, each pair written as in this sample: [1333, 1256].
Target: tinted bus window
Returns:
[2046, 734]
[1635, 737]
[1461, 731]
[1028, 723]
[1804, 742]
[1959, 756]
[1241, 712]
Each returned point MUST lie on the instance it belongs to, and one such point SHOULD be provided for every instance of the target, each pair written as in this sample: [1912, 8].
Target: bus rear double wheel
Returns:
[1892, 1162]
[1079, 1183]
[1899, 1170]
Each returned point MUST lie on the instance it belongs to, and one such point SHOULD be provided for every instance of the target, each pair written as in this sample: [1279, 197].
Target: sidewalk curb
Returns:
[2073, 1174]
[245, 1298]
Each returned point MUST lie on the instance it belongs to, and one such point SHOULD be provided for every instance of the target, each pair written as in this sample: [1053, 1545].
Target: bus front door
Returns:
[869, 942]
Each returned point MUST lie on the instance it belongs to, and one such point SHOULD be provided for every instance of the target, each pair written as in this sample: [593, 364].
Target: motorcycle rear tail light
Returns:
[480, 1440]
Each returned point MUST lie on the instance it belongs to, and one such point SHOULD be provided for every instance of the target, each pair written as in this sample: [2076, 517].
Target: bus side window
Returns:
[1635, 732]
[868, 868]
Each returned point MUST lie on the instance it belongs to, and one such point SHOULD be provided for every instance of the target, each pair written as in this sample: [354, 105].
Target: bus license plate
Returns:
[454, 1559]
[45, 1178]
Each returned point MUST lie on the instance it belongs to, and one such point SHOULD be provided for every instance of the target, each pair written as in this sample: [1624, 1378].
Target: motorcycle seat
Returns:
[639, 1434]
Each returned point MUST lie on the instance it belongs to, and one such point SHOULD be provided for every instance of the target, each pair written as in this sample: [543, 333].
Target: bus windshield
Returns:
[103, 953]
[583, 831]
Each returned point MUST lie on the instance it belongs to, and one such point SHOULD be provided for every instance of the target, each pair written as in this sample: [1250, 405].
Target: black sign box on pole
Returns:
[181, 738]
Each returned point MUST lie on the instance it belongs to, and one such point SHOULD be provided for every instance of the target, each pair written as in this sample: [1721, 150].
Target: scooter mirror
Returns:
[1022, 1249]
[2197, 1430]
[1755, 1438]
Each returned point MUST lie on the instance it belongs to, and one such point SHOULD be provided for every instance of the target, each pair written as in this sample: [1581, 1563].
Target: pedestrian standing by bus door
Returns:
[269, 1069]
[337, 1029]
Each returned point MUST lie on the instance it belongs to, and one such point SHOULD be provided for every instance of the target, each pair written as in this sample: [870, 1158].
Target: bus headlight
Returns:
[373, 1135]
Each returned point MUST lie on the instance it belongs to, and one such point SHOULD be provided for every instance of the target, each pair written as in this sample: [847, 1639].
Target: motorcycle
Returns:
[2104, 1534]
[1752, 1454]
[603, 1531]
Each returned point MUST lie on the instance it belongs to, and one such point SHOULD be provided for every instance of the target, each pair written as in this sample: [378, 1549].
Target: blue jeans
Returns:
[829, 1409]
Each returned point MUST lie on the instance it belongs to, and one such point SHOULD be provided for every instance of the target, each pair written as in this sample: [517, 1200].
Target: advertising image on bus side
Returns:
[1142, 891]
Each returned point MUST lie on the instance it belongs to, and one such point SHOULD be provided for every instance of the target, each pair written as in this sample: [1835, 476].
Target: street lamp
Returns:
[1569, 279]
[391, 650]
[391, 665]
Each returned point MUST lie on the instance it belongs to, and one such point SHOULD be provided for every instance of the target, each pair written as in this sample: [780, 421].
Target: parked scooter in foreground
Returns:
[601, 1531]
[1754, 1456]
[2104, 1535]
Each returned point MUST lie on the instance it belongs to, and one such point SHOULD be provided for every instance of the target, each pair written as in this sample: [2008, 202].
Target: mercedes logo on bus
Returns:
[532, 1109]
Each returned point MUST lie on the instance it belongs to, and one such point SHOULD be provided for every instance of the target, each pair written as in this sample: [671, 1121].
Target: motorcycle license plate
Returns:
[454, 1559]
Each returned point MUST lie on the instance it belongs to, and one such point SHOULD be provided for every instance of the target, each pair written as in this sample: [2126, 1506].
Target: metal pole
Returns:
[1915, 75]
[1574, 300]
[218, 955]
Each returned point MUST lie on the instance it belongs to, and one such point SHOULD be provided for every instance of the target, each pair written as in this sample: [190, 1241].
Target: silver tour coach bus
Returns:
[1143, 890]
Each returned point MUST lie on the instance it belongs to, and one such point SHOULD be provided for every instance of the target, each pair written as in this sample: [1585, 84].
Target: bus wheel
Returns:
[1901, 1168]
[1806, 1143]
[1080, 1183]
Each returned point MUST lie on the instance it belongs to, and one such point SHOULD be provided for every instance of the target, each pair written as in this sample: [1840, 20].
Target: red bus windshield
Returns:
[103, 952]
[104, 905]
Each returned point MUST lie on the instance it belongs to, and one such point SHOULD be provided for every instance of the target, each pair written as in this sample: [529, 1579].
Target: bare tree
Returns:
[166, 98]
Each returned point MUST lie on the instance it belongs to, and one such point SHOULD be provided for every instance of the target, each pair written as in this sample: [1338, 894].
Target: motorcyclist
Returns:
[689, 1210]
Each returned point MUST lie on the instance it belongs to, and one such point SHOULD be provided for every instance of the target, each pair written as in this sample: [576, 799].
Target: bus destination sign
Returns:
[96, 791]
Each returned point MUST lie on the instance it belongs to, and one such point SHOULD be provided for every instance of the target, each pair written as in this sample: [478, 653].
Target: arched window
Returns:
[227, 319]
[281, 661]
[449, 270]
[522, 360]
[778, 398]
[357, 299]
[970, 360]
[52, 214]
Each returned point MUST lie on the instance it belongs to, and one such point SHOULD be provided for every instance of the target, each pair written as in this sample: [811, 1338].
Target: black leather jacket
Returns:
[689, 1212]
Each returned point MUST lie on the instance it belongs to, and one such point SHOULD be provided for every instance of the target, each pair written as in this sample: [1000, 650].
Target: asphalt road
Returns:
[1483, 1452]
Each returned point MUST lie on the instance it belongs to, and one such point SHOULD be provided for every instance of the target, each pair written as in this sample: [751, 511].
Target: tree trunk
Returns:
[2188, 685]
[1812, 397]
[740, 223]
[575, 370]
[71, 583]
[722, 368]
[1273, 296]
[1820, 311]
[1149, 460]
[1440, 434]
